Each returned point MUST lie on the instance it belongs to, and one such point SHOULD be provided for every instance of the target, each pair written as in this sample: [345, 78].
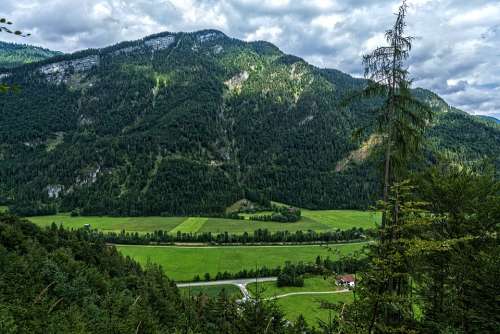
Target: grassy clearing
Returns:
[212, 291]
[316, 283]
[309, 306]
[343, 219]
[320, 221]
[183, 263]
[3, 208]
[108, 224]
[190, 225]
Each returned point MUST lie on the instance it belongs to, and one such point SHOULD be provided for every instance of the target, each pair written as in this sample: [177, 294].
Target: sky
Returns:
[456, 52]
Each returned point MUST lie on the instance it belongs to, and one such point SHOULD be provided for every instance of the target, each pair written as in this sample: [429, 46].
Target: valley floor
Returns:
[319, 221]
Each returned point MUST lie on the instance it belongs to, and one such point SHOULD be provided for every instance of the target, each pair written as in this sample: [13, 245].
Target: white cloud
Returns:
[456, 53]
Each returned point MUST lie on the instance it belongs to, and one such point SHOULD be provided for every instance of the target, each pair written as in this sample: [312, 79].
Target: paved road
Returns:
[240, 283]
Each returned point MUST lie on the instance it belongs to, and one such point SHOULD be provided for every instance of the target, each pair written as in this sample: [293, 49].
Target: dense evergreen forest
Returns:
[55, 281]
[188, 123]
[13, 55]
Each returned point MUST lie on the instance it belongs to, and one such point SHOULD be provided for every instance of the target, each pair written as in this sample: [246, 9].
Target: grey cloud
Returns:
[456, 52]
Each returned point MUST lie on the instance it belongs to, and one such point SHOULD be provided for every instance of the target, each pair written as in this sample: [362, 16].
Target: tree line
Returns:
[321, 266]
[258, 236]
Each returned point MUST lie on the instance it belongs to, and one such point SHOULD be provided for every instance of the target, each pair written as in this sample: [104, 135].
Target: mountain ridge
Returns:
[14, 55]
[188, 123]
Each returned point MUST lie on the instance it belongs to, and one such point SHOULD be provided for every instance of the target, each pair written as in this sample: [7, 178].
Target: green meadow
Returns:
[311, 284]
[183, 263]
[111, 224]
[320, 221]
[310, 306]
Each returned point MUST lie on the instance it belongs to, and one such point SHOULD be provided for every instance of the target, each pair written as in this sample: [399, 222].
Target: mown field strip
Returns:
[190, 225]
[183, 263]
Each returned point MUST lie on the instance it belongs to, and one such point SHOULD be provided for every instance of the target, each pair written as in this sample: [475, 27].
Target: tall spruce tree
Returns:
[384, 296]
[401, 118]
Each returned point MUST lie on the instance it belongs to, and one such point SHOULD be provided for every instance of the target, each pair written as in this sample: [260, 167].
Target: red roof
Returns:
[346, 278]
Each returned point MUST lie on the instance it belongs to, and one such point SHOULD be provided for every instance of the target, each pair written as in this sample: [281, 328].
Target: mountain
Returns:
[188, 123]
[490, 118]
[12, 55]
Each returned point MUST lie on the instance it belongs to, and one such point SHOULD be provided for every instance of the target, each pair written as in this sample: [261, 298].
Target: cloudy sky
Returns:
[456, 53]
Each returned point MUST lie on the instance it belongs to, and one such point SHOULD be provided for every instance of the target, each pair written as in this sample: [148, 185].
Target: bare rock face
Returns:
[4, 75]
[237, 81]
[89, 177]
[126, 50]
[209, 36]
[160, 43]
[217, 49]
[60, 71]
[53, 190]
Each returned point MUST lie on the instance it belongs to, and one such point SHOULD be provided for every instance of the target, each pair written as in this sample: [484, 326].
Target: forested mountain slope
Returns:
[12, 55]
[191, 122]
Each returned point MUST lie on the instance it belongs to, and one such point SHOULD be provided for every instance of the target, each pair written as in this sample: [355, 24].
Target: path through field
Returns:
[243, 282]
[240, 283]
[307, 293]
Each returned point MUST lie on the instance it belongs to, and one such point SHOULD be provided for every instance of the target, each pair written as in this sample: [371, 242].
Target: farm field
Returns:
[315, 283]
[309, 306]
[213, 291]
[320, 221]
[183, 263]
[111, 224]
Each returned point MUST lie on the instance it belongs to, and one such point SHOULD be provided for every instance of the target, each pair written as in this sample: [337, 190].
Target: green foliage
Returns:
[5, 26]
[435, 265]
[290, 277]
[13, 55]
[55, 281]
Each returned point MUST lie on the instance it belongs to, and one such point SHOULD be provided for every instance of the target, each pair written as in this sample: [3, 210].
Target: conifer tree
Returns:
[401, 118]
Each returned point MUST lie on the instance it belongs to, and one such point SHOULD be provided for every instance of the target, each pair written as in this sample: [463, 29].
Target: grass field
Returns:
[320, 221]
[309, 306]
[190, 225]
[343, 219]
[183, 263]
[316, 283]
[115, 224]
[212, 291]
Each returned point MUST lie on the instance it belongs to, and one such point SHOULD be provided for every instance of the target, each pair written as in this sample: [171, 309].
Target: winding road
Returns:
[242, 285]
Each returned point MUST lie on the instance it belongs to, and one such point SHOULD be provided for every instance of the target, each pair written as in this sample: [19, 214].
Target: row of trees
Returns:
[258, 236]
[321, 266]
[281, 214]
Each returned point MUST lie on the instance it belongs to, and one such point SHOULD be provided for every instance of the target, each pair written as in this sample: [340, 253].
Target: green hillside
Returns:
[189, 123]
[13, 55]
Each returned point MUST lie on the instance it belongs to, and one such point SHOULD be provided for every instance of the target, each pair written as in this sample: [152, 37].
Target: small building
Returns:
[346, 280]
